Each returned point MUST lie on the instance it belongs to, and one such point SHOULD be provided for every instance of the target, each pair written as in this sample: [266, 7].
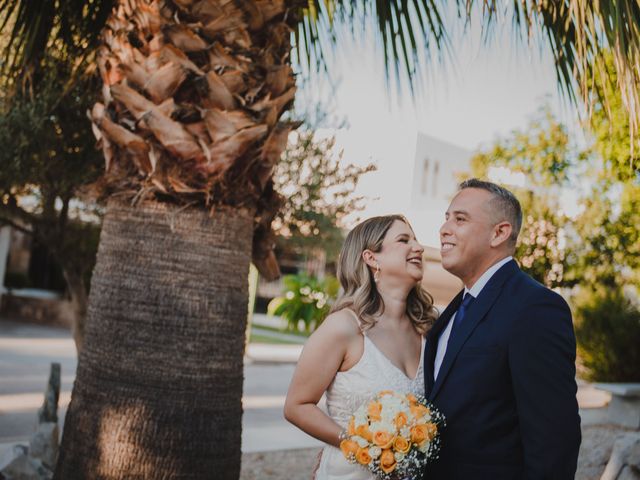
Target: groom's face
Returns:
[465, 236]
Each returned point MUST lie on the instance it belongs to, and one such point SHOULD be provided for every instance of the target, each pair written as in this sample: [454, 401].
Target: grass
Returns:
[257, 338]
[303, 335]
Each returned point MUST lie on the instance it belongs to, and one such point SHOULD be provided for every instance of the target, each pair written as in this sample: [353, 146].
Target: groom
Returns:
[500, 362]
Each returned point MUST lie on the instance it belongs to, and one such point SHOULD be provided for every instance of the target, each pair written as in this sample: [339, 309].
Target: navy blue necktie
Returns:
[466, 301]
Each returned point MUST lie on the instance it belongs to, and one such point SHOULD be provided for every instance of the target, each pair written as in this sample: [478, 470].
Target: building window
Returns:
[436, 168]
[425, 176]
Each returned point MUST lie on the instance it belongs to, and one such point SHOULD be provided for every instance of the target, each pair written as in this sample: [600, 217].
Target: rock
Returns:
[24, 467]
[624, 463]
[49, 410]
[43, 444]
[11, 454]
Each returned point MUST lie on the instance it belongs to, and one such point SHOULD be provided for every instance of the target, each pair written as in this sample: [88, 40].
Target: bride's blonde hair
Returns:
[360, 293]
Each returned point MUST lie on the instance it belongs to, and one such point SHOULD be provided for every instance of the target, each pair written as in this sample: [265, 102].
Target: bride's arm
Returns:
[330, 346]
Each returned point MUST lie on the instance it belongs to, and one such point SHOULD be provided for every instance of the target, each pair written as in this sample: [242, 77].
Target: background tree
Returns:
[608, 252]
[542, 155]
[319, 192]
[47, 152]
[596, 250]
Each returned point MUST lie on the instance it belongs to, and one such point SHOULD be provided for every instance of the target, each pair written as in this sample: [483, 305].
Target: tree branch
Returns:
[6, 221]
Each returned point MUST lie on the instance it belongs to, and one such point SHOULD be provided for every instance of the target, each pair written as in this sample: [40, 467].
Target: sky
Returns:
[485, 92]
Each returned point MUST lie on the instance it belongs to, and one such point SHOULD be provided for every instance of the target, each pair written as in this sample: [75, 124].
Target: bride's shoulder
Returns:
[340, 324]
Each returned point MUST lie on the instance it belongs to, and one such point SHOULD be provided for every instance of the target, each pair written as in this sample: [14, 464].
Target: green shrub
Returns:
[608, 335]
[305, 298]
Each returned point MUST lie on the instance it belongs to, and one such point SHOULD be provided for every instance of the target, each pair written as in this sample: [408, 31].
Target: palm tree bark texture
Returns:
[190, 129]
[159, 380]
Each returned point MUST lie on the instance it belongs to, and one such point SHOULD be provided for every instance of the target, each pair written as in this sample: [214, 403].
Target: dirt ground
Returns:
[597, 442]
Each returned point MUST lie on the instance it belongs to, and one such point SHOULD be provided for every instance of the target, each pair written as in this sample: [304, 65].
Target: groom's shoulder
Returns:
[527, 290]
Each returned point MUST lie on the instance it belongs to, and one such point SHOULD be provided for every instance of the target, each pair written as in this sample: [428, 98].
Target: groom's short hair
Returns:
[504, 203]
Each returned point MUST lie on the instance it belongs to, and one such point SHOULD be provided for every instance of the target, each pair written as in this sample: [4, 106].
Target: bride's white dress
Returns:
[350, 389]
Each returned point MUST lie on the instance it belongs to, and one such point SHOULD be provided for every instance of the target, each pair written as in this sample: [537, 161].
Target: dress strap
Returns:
[357, 319]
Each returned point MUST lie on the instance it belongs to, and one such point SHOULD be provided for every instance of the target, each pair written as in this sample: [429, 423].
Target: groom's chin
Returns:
[448, 264]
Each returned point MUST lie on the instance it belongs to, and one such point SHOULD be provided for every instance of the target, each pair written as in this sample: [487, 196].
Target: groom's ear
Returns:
[501, 234]
[369, 258]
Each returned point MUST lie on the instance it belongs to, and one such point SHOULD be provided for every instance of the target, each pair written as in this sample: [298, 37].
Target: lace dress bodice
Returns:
[350, 389]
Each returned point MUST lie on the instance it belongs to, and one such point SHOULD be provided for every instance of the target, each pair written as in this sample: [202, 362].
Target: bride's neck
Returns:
[395, 305]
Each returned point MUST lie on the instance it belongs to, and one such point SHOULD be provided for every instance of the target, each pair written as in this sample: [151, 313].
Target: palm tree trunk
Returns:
[79, 303]
[159, 382]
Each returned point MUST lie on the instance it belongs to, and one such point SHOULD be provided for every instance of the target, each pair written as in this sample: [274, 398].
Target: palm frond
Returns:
[68, 26]
[409, 31]
[581, 34]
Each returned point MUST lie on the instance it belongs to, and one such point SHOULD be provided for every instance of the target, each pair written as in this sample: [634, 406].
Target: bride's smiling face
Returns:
[400, 257]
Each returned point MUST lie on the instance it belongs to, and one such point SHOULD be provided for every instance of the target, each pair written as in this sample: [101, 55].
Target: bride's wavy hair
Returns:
[359, 290]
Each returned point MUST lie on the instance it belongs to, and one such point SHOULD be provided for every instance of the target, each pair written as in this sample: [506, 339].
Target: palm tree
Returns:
[191, 127]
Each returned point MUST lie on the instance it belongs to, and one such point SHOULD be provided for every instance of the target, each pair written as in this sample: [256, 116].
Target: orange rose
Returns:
[423, 433]
[387, 461]
[400, 444]
[385, 392]
[432, 431]
[418, 410]
[351, 429]
[412, 398]
[348, 447]
[362, 456]
[419, 434]
[400, 420]
[363, 431]
[374, 411]
[382, 439]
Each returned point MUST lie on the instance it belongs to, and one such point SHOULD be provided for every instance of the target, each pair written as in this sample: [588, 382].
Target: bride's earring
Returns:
[376, 275]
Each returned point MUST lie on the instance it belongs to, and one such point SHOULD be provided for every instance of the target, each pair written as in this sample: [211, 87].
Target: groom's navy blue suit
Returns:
[507, 384]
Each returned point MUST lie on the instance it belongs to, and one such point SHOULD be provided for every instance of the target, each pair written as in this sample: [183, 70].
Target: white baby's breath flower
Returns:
[405, 432]
[385, 426]
[399, 456]
[375, 452]
[360, 418]
[360, 441]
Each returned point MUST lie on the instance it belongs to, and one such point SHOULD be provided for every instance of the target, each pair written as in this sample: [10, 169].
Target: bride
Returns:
[373, 340]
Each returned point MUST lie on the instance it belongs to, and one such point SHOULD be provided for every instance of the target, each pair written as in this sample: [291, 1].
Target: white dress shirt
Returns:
[474, 291]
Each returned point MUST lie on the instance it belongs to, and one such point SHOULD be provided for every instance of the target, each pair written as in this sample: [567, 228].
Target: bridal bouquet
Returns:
[393, 435]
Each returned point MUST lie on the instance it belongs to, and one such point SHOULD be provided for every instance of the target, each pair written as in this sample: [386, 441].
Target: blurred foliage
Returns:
[608, 335]
[48, 152]
[605, 249]
[305, 299]
[47, 143]
[610, 126]
[606, 243]
[319, 193]
[543, 155]
[597, 250]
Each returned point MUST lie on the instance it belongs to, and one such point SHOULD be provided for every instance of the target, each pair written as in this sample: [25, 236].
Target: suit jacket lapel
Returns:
[432, 339]
[476, 312]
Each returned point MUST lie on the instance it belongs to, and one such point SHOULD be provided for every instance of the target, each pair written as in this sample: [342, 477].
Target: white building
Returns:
[437, 166]
[417, 176]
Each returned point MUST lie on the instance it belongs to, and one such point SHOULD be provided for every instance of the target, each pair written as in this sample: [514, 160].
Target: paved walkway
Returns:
[26, 352]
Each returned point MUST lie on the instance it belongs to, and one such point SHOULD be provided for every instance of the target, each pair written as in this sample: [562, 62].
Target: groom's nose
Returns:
[444, 229]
